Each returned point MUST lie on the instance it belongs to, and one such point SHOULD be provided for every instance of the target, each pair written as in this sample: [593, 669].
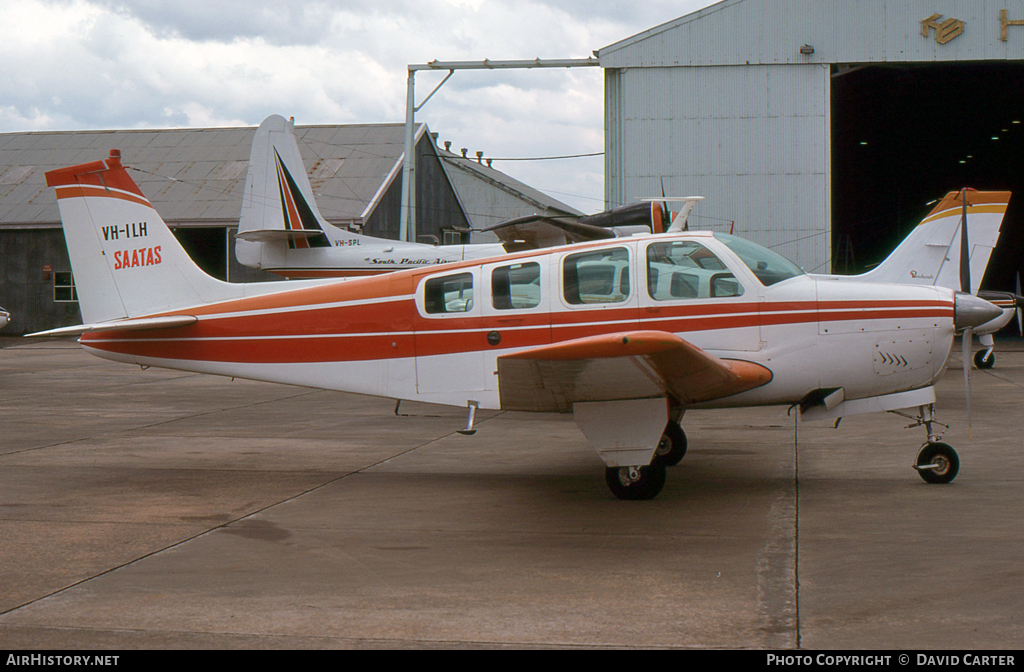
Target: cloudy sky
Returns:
[118, 64]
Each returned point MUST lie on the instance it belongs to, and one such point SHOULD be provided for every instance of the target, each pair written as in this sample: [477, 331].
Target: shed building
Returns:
[195, 179]
[822, 128]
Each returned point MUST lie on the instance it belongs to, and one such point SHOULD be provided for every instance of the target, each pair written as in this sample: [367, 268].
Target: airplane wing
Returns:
[536, 231]
[626, 365]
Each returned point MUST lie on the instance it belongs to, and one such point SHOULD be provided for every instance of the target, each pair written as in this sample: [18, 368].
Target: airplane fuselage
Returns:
[435, 335]
[357, 257]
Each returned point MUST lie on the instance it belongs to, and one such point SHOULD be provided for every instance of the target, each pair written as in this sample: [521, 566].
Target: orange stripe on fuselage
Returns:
[393, 328]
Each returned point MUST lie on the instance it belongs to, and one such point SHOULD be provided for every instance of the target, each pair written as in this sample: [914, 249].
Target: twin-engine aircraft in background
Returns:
[627, 334]
[282, 231]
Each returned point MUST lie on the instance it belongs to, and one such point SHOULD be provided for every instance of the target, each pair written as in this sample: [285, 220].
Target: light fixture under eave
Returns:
[807, 50]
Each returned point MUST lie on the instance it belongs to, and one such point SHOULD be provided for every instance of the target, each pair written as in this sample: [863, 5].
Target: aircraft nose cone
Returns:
[970, 311]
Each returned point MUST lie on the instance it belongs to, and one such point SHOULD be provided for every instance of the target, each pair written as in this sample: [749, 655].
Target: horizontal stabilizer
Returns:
[627, 365]
[166, 322]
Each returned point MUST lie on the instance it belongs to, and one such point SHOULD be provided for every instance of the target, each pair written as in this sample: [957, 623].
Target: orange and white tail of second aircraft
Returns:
[930, 254]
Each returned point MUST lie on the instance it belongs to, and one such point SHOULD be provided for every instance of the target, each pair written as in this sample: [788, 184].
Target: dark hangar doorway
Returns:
[905, 135]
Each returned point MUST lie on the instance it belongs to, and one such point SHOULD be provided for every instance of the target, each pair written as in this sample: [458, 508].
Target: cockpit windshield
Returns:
[769, 267]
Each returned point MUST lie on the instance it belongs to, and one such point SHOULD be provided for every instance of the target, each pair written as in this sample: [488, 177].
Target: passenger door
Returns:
[448, 338]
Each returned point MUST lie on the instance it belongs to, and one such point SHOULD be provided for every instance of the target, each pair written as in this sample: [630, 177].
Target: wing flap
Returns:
[626, 365]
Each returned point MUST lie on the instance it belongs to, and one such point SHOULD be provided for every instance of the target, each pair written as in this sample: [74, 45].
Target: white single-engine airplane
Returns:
[627, 334]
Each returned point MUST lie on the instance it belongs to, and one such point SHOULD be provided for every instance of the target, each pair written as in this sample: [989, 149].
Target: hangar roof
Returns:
[758, 32]
[197, 176]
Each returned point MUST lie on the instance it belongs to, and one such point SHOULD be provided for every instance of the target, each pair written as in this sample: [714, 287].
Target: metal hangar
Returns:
[822, 128]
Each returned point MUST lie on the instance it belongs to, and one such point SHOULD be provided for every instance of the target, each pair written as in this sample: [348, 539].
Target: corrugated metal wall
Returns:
[741, 32]
[724, 104]
[754, 141]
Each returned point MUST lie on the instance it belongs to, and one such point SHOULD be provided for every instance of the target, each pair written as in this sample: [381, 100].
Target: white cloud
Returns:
[94, 64]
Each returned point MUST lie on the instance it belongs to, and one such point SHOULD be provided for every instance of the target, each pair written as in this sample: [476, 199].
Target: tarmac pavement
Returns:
[160, 509]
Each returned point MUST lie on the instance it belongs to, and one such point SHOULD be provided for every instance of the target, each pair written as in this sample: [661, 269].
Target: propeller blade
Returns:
[965, 354]
[965, 250]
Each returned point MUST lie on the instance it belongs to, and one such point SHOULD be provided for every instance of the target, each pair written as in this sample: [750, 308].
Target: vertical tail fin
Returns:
[125, 260]
[279, 212]
[930, 254]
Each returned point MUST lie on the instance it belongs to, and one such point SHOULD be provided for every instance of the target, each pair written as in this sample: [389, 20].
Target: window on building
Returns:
[452, 237]
[64, 287]
[516, 286]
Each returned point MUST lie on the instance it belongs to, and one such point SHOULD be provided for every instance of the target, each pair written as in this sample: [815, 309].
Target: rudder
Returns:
[125, 260]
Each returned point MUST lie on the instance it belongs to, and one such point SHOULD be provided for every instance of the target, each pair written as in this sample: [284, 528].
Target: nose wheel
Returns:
[984, 359]
[937, 463]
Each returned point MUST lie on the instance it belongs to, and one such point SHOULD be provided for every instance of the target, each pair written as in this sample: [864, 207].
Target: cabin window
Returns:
[516, 286]
[769, 267]
[449, 294]
[685, 269]
[596, 277]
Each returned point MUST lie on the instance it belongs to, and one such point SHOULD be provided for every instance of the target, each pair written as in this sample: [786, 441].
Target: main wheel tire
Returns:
[672, 446]
[983, 362]
[943, 455]
[650, 483]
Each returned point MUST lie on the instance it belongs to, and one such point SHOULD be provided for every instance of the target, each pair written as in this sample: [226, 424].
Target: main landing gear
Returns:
[640, 483]
[937, 462]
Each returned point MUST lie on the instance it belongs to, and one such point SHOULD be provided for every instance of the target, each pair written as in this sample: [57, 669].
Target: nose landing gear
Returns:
[937, 462]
